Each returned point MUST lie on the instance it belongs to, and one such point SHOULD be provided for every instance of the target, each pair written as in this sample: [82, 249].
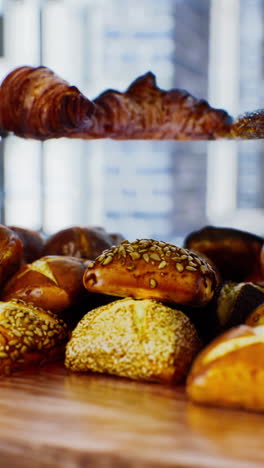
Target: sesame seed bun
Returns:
[138, 339]
[155, 270]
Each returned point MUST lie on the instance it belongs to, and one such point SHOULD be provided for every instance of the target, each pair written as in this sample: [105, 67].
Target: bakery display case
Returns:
[131, 206]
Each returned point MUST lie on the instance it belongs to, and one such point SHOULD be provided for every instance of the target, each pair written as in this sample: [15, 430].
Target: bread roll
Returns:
[29, 336]
[155, 270]
[139, 339]
[235, 253]
[230, 371]
[52, 282]
[11, 252]
[33, 243]
[80, 242]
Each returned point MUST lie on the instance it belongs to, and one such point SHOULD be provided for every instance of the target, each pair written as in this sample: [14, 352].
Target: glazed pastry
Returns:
[52, 282]
[29, 336]
[81, 242]
[32, 241]
[139, 339]
[235, 253]
[230, 371]
[35, 103]
[11, 253]
[152, 269]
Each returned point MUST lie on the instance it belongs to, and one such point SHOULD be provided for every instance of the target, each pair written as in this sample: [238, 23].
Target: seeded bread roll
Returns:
[32, 241]
[29, 336]
[80, 242]
[230, 371]
[52, 282]
[11, 252]
[139, 339]
[155, 270]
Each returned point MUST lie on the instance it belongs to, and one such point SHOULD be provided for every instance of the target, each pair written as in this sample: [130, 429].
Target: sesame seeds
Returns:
[27, 329]
[153, 283]
[156, 253]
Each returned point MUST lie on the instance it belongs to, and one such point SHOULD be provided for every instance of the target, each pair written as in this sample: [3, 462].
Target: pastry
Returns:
[33, 242]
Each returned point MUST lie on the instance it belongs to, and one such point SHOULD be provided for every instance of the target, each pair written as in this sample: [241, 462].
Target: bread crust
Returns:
[11, 252]
[52, 283]
[155, 270]
[138, 339]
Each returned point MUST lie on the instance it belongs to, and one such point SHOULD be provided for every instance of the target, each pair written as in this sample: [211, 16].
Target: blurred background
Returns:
[163, 190]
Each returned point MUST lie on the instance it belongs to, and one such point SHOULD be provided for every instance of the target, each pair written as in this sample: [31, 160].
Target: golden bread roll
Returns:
[139, 339]
[80, 242]
[235, 253]
[52, 282]
[155, 270]
[11, 253]
[33, 243]
[29, 336]
[229, 372]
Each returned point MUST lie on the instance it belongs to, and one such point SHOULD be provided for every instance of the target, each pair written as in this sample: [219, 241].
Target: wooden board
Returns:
[54, 418]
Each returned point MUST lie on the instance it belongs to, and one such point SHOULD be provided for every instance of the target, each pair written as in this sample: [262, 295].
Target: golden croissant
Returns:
[36, 103]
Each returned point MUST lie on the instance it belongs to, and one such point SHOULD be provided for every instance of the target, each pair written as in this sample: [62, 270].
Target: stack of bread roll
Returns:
[145, 310]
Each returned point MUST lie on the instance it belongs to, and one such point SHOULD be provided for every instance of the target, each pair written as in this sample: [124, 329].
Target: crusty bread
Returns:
[11, 253]
[230, 371]
[155, 270]
[33, 242]
[139, 339]
[51, 282]
[29, 336]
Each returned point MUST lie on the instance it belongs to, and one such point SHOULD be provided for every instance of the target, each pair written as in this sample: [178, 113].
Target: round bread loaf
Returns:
[155, 270]
[81, 242]
[52, 282]
[32, 241]
[229, 372]
[139, 339]
[11, 253]
[29, 335]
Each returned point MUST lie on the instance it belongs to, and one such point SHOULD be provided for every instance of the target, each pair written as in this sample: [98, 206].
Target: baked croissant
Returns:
[35, 103]
[249, 126]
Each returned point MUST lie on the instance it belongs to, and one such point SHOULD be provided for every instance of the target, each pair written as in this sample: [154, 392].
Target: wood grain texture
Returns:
[53, 418]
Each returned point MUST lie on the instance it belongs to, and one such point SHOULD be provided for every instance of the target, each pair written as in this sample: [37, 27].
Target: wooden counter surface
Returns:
[53, 418]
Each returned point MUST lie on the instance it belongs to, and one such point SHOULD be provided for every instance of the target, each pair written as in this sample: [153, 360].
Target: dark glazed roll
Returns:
[235, 253]
[32, 241]
[11, 253]
[155, 270]
[81, 242]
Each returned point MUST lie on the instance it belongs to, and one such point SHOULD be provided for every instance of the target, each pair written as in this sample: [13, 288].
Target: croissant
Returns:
[36, 103]
[249, 126]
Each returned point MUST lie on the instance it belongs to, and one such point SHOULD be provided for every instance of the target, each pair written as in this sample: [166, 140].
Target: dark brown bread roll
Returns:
[235, 253]
[76, 241]
[33, 243]
[29, 336]
[139, 339]
[52, 283]
[152, 269]
[11, 253]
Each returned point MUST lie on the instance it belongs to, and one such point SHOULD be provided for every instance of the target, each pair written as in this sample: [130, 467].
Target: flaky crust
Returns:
[36, 103]
[152, 269]
[29, 336]
[230, 371]
[249, 126]
[52, 283]
[142, 340]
